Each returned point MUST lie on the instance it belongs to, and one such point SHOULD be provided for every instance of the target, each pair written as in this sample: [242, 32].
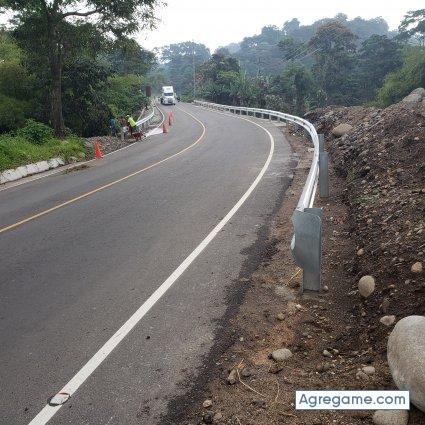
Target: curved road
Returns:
[82, 252]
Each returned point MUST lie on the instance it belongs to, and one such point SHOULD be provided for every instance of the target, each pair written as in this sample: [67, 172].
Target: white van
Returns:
[168, 97]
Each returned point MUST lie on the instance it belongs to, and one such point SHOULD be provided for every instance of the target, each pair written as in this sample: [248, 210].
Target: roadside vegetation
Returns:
[35, 142]
[69, 70]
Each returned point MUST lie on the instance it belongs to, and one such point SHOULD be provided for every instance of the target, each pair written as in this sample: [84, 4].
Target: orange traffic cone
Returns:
[170, 119]
[97, 151]
[164, 128]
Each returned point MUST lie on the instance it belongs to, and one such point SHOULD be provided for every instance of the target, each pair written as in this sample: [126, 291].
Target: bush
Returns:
[36, 132]
[16, 151]
[188, 97]
[123, 94]
[12, 113]
[400, 83]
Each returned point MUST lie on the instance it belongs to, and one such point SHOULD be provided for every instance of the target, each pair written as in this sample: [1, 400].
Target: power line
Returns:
[301, 50]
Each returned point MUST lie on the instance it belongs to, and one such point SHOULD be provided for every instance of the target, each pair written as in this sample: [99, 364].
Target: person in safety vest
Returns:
[131, 123]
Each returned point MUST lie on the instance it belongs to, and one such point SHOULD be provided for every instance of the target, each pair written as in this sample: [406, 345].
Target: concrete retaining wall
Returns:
[30, 169]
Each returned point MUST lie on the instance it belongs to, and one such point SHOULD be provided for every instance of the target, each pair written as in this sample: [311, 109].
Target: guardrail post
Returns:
[323, 174]
[321, 142]
[306, 246]
[323, 168]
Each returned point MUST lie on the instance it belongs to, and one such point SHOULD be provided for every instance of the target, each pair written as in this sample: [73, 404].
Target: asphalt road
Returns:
[71, 277]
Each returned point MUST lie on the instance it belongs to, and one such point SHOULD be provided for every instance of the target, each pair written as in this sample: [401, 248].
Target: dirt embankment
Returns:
[382, 159]
[373, 225]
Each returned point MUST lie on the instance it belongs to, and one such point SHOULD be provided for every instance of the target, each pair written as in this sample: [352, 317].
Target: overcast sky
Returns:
[219, 22]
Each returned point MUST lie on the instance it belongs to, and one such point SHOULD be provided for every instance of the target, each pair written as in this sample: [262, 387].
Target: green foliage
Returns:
[123, 94]
[15, 85]
[378, 56]
[85, 107]
[12, 113]
[400, 83]
[299, 88]
[16, 151]
[89, 59]
[178, 62]
[291, 48]
[35, 132]
[334, 47]
[268, 52]
[126, 56]
[187, 97]
[413, 26]
[217, 78]
[59, 30]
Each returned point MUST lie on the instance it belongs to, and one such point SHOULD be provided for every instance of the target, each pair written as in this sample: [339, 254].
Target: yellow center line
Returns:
[98, 189]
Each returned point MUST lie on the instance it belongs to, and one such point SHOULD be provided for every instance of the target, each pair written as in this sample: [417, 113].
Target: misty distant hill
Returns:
[260, 54]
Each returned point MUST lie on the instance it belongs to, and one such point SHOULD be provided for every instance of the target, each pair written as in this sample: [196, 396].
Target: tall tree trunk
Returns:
[56, 95]
[56, 64]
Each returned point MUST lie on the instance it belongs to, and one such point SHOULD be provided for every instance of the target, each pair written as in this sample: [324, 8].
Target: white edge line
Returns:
[72, 386]
[62, 169]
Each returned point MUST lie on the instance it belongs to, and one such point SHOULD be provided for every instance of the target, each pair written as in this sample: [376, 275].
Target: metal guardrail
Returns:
[306, 245]
[146, 120]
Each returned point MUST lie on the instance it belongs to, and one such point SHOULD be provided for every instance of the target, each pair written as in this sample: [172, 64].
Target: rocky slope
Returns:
[382, 158]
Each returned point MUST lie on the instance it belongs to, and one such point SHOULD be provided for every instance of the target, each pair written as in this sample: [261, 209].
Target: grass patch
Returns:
[16, 150]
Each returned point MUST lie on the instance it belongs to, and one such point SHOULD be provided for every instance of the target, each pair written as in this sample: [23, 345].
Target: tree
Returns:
[400, 83]
[51, 24]
[216, 78]
[126, 56]
[83, 84]
[298, 87]
[178, 61]
[334, 46]
[15, 85]
[377, 57]
[260, 54]
[291, 48]
[413, 25]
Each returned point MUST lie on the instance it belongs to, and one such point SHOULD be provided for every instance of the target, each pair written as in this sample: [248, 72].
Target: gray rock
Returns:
[233, 377]
[341, 129]
[406, 359]
[207, 403]
[361, 376]
[415, 96]
[417, 267]
[246, 372]
[385, 305]
[387, 320]
[326, 353]
[368, 370]
[366, 286]
[208, 417]
[391, 417]
[281, 354]
[217, 417]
